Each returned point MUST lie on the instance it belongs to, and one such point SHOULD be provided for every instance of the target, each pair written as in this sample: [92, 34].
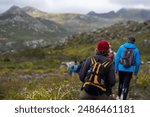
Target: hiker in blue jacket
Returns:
[125, 74]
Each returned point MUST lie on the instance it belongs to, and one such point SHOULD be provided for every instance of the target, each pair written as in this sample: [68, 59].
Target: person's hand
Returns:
[116, 71]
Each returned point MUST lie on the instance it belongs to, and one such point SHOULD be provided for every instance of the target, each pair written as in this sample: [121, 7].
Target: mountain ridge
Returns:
[126, 13]
[17, 27]
[20, 26]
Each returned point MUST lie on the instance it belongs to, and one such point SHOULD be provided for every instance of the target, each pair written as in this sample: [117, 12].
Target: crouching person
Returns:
[97, 74]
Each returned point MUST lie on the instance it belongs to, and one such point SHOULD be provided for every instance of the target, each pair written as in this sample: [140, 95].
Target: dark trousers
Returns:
[85, 96]
[124, 82]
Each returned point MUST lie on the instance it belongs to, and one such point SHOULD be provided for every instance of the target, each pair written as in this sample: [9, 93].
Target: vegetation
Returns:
[54, 87]
[36, 73]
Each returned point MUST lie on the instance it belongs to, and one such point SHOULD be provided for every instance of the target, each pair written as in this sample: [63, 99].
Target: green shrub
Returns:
[26, 65]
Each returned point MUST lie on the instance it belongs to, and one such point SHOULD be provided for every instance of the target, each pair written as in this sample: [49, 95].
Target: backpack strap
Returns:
[93, 60]
[106, 64]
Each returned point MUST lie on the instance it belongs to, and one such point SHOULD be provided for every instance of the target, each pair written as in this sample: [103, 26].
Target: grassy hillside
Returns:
[36, 73]
[116, 35]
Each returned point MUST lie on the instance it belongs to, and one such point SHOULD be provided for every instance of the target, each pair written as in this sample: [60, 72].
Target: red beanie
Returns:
[103, 45]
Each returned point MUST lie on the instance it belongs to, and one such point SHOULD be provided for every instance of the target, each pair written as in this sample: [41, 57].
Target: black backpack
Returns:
[96, 77]
[128, 57]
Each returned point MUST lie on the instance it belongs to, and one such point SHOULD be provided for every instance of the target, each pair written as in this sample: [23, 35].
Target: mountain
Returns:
[110, 14]
[75, 22]
[17, 27]
[34, 12]
[134, 14]
[30, 27]
[124, 14]
[92, 20]
[15, 16]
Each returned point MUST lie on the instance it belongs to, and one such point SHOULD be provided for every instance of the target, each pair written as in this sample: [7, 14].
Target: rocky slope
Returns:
[17, 27]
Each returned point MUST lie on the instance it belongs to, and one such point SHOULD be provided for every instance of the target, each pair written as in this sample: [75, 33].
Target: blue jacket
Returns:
[73, 68]
[134, 68]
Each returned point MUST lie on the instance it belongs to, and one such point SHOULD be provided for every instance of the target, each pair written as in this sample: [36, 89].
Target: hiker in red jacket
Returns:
[101, 93]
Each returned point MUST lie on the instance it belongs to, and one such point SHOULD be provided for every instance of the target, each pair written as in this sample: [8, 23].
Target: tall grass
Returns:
[53, 87]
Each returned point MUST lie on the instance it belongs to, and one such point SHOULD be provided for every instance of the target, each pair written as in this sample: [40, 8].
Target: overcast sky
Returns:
[76, 6]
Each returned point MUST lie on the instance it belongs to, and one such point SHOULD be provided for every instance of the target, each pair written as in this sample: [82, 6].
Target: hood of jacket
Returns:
[129, 45]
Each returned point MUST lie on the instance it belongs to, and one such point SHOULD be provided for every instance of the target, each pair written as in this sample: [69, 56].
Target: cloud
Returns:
[82, 6]
[144, 3]
[78, 6]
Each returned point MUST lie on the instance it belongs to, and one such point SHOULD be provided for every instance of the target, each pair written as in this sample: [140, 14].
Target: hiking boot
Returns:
[118, 98]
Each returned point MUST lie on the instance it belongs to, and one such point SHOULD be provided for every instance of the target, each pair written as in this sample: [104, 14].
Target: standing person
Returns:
[97, 74]
[127, 62]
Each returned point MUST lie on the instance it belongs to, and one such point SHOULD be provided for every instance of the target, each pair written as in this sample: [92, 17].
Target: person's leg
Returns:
[128, 76]
[121, 82]
[85, 96]
[103, 97]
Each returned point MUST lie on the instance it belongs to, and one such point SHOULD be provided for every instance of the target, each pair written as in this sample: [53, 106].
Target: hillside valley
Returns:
[34, 44]
[29, 27]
